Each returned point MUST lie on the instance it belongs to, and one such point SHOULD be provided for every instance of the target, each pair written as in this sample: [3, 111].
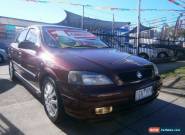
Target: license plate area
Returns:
[143, 93]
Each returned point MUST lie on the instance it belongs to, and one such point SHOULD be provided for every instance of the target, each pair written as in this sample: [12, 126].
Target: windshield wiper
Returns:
[90, 46]
[106, 47]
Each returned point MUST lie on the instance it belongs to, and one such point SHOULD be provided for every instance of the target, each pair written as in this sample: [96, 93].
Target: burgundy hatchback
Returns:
[76, 73]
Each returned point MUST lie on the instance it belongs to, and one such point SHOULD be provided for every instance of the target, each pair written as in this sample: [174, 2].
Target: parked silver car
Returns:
[149, 52]
[3, 55]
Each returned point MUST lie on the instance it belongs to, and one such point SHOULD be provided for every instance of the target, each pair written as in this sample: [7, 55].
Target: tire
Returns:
[1, 59]
[52, 101]
[180, 55]
[145, 56]
[12, 71]
[162, 55]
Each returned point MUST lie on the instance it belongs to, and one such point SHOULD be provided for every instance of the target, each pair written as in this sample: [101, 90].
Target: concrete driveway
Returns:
[21, 113]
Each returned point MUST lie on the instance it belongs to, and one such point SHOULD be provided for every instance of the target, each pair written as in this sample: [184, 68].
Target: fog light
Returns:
[103, 110]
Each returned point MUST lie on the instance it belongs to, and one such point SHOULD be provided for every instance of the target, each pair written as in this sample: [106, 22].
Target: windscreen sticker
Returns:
[79, 34]
[55, 33]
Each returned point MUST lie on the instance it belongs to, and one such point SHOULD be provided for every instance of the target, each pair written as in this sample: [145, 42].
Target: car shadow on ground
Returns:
[7, 128]
[6, 85]
[133, 121]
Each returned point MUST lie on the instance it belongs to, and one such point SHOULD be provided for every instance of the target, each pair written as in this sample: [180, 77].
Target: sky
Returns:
[53, 12]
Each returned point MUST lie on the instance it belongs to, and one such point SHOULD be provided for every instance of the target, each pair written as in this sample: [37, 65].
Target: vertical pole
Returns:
[83, 12]
[138, 25]
[113, 22]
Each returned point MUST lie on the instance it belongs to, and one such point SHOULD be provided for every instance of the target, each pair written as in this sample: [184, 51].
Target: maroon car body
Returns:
[34, 58]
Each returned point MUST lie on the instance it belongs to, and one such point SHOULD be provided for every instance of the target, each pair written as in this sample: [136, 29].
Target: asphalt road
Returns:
[21, 113]
[165, 67]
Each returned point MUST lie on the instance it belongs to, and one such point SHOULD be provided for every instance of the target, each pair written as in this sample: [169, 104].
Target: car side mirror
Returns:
[27, 45]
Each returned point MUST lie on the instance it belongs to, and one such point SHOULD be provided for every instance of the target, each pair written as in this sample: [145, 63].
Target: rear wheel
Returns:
[52, 100]
[180, 54]
[162, 55]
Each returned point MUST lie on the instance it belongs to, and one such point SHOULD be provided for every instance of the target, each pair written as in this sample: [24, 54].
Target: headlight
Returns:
[88, 78]
[156, 71]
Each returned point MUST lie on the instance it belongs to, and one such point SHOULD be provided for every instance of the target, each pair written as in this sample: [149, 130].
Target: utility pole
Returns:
[113, 20]
[83, 12]
[138, 25]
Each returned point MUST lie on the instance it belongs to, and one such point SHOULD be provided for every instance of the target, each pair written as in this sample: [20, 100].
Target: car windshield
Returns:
[69, 38]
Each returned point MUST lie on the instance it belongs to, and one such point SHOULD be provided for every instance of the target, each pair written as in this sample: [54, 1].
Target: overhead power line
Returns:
[170, 23]
[103, 7]
[153, 20]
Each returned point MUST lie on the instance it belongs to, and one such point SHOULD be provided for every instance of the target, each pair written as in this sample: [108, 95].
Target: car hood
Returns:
[99, 59]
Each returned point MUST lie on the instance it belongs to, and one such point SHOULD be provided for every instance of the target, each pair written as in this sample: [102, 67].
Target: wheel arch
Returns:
[143, 53]
[162, 52]
[46, 73]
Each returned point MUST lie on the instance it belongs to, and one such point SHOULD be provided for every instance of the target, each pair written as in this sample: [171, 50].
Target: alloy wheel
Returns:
[50, 99]
[162, 55]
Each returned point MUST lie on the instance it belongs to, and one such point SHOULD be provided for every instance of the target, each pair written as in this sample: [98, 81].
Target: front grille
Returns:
[131, 76]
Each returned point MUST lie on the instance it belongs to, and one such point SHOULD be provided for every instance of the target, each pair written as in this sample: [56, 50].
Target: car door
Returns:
[30, 60]
[15, 51]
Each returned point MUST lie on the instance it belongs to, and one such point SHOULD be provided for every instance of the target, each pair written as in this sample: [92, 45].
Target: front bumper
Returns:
[82, 104]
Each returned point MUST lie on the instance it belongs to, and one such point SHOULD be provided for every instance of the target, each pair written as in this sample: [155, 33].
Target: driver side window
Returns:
[32, 36]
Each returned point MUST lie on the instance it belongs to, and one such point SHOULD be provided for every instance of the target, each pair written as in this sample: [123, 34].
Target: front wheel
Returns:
[143, 55]
[52, 100]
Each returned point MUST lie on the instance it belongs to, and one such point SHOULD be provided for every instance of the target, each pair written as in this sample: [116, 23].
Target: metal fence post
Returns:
[138, 26]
